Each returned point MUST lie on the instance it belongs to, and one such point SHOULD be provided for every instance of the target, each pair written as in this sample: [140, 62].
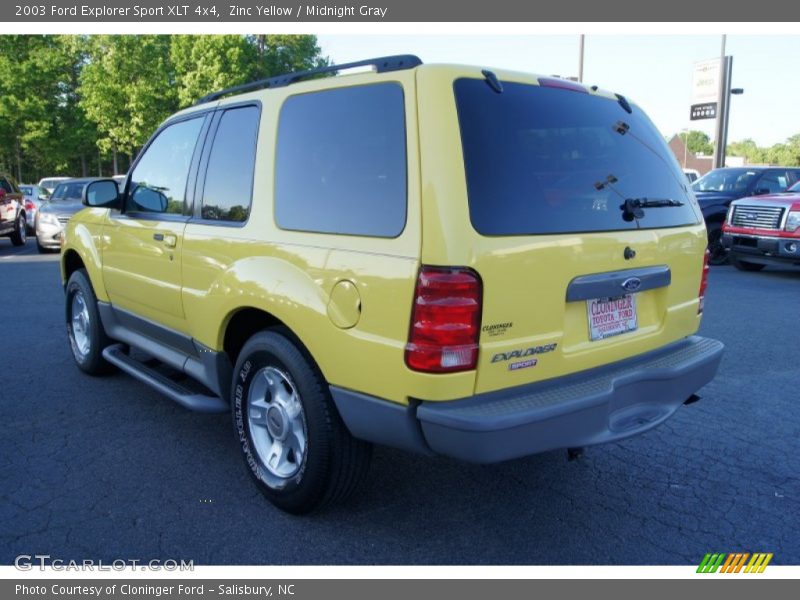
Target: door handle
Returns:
[170, 240]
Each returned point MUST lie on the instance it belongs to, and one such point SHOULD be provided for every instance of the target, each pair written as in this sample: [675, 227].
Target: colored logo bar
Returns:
[735, 562]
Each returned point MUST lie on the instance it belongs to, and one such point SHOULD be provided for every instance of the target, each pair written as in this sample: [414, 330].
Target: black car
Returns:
[718, 188]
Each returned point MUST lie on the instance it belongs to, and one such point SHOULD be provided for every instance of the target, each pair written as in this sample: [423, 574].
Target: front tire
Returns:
[87, 338]
[717, 255]
[294, 443]
[20, 235]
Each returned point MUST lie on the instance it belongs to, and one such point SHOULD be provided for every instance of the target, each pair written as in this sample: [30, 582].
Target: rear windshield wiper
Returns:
[632, 207]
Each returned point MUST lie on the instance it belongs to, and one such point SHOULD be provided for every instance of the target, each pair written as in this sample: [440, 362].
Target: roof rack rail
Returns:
[382, 64]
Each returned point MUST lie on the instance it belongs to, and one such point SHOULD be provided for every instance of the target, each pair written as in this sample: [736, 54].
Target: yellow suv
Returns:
[480, 264]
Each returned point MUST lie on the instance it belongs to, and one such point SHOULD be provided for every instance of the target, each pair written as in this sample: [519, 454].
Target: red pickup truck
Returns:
[764, 230]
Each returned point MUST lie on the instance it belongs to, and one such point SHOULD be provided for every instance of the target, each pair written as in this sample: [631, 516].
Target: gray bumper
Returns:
[763, 249]
[602, 405]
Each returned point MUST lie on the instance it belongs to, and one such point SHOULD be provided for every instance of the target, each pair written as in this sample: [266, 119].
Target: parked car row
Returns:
[42, 209]
[717, 189]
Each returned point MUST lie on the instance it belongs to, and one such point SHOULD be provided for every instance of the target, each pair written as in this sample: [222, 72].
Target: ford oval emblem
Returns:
[631, 284]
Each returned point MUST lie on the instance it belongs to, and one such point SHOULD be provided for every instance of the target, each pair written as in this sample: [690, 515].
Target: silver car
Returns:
[54, 214]
[34, 197]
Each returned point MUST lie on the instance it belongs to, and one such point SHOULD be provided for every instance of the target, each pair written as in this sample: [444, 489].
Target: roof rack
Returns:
[383, 64]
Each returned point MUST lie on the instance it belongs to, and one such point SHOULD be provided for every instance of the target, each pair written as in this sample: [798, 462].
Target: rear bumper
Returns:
[602, 405]
[763, 249]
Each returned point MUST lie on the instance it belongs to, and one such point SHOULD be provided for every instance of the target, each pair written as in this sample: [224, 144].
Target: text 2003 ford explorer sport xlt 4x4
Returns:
[438, 258]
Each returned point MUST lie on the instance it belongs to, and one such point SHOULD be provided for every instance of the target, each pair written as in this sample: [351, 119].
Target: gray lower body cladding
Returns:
[597, 406]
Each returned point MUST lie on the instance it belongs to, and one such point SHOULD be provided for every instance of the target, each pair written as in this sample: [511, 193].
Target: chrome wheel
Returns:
[80, 329]
[277, 425]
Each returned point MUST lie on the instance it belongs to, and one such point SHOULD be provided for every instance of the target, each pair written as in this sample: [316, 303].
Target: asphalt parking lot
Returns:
[105, 468]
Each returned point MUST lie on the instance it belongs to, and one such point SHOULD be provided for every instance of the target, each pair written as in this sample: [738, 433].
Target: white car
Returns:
[50, 183]
[692, 175]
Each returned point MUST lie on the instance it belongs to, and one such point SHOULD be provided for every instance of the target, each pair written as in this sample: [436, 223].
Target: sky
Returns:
[655, 71]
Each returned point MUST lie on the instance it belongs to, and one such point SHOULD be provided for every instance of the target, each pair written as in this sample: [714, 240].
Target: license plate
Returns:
[611, 316]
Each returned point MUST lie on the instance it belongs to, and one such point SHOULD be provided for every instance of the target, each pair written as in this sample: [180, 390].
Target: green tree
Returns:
[127, 88]
[36, 110]
[697, 142]
[748, 149]
[785, 154]
[285, 53]
[205, 63]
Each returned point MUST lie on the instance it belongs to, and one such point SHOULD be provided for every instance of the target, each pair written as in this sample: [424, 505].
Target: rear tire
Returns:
[294, 443]
[20, 235]
[87, 338]
[743, 265]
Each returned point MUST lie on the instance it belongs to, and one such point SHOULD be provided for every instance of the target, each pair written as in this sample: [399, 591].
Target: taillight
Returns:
[445, 321]
[29, 205]
[703, 282]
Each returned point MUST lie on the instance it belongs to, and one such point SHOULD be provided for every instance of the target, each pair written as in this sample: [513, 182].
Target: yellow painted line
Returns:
[766, 562]
[750, 564]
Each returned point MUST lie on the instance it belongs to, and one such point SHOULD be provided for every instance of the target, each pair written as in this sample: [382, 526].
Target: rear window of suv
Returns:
[543, 160]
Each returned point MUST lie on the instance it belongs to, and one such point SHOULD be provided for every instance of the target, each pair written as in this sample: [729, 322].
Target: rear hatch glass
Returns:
[543, 160]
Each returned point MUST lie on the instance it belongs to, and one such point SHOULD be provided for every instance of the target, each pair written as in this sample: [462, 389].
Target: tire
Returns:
[294, 443]
[87, 338]
[743, 265]
[20, 235]
[717, 254]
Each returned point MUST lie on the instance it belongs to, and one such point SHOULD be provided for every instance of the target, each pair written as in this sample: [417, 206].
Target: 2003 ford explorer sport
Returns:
[443, 259]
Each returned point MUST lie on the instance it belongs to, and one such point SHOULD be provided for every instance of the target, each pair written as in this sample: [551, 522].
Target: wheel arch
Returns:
[81, 252]
[243, 322]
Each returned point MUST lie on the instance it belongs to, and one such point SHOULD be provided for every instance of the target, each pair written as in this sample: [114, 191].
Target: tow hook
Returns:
[692, 399]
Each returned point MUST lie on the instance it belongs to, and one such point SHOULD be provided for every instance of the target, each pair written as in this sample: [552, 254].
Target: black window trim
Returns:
[199, 145]
[275, 163]
[196, 212]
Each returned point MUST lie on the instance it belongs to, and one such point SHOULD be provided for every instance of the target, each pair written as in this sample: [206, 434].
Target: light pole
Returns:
[685, 131]
[580, 59]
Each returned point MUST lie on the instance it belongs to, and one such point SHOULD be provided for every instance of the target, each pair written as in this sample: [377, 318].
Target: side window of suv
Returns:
[5, 185]
[772, 182]
[158, 182]
[228, 188]
[341, 162]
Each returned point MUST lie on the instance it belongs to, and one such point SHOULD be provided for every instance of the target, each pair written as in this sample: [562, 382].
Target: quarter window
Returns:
[158, 182]
[341, 162]
[229, 177]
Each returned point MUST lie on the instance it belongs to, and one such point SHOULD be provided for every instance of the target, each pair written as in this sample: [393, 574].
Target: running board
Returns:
[185, 397]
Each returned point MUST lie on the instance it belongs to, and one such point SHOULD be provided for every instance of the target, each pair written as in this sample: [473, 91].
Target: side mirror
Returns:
[2, 193]
[102, 193]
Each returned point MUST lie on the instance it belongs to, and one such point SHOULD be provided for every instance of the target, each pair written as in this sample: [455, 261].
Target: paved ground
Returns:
[107, 469]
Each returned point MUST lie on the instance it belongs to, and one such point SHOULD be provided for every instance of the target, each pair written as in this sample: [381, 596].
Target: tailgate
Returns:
[538, 307]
